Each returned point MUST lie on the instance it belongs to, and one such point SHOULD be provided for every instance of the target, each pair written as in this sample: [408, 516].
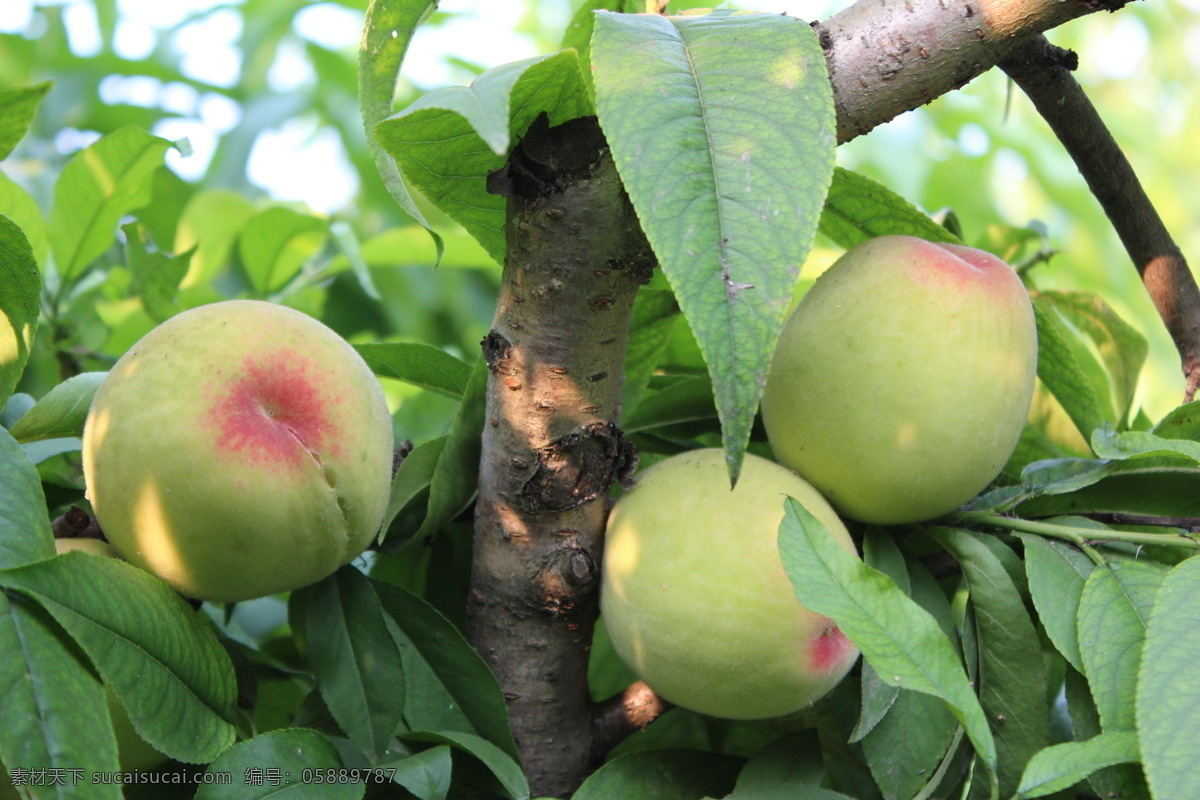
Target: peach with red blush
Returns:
[238, 450]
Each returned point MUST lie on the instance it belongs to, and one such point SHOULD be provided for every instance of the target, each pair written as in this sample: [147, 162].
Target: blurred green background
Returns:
[265, 92]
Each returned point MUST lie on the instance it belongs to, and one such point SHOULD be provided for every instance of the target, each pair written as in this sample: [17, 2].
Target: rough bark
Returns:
[1043, 72]
[551, 445]
[886, 57]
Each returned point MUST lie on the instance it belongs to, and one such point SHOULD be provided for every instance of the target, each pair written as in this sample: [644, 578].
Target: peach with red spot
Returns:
[695, 598]
[901, 383]
[238, 450]
[282, 392]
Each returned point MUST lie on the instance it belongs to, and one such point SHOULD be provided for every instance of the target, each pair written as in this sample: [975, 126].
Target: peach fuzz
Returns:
[239, 449]
[902, 381]
[695, 598]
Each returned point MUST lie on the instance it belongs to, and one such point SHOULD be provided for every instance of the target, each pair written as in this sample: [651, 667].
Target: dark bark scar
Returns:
[578, 468]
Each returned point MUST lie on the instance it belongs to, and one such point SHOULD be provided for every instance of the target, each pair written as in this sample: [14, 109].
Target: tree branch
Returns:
[886, 57]
[75, 523]
[624, 714]
[551, 445]
[1043, 72]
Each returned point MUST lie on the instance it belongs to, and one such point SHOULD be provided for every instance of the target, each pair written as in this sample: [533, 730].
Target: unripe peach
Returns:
[901, 383]
[695, 597]
[238, 450]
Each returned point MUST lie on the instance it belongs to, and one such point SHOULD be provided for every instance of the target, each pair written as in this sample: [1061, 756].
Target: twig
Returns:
[1043, 72]
[75, 523]
[624, 714]
[1076, 535]
[1190, 524]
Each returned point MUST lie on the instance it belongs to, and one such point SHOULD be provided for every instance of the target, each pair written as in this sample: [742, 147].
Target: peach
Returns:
[238, 450]
[901, 383]
[695, 598]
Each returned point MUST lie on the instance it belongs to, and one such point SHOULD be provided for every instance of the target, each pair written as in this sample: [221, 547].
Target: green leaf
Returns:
[40, 452]
[688, 400]
[903, 751]
[275, 243]
[156, 275]
[655, 314]
[426, 774]
[52, 709]
[783, 770]
[355, 659]
[347, 241]
[463, 679]
[1122, 349]
[788, 791]
[160, 285]
[419, 364]
[25, 535]
[722, 128]
[500, 763]
[901, 640]
[1059, 370]
[1152, 486]
[410, 246]
[100, 184]
[1113, 613]
[906, 747]
[287, 763]
[1062, 475]
[929, 595]
[1168, 700]
[879, 552]
[858, 209]
[20, 296]
[18, 206]
[578, 35]
[1064, 765]
[388, 30]
[1085, 724]
[455, 479]
[1057, 573]
[662, 775]
[17, 109]
[160, 657]
[62, 411]
[209, 225]
[1012, 676]
[412, 478]
[1136, 444]
[1181, 423]
[449, 140]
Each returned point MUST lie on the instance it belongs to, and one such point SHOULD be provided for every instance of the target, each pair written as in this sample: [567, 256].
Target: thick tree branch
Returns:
[886, 57]
[1043, 72]
[551, 445]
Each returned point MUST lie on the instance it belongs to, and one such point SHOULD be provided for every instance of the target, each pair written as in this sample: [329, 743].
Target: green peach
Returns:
[239, 449]
[901, 383]
[96, 547]
[695, 598]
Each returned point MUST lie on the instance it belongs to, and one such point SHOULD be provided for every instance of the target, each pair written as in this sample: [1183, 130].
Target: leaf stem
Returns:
[1079, 536]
